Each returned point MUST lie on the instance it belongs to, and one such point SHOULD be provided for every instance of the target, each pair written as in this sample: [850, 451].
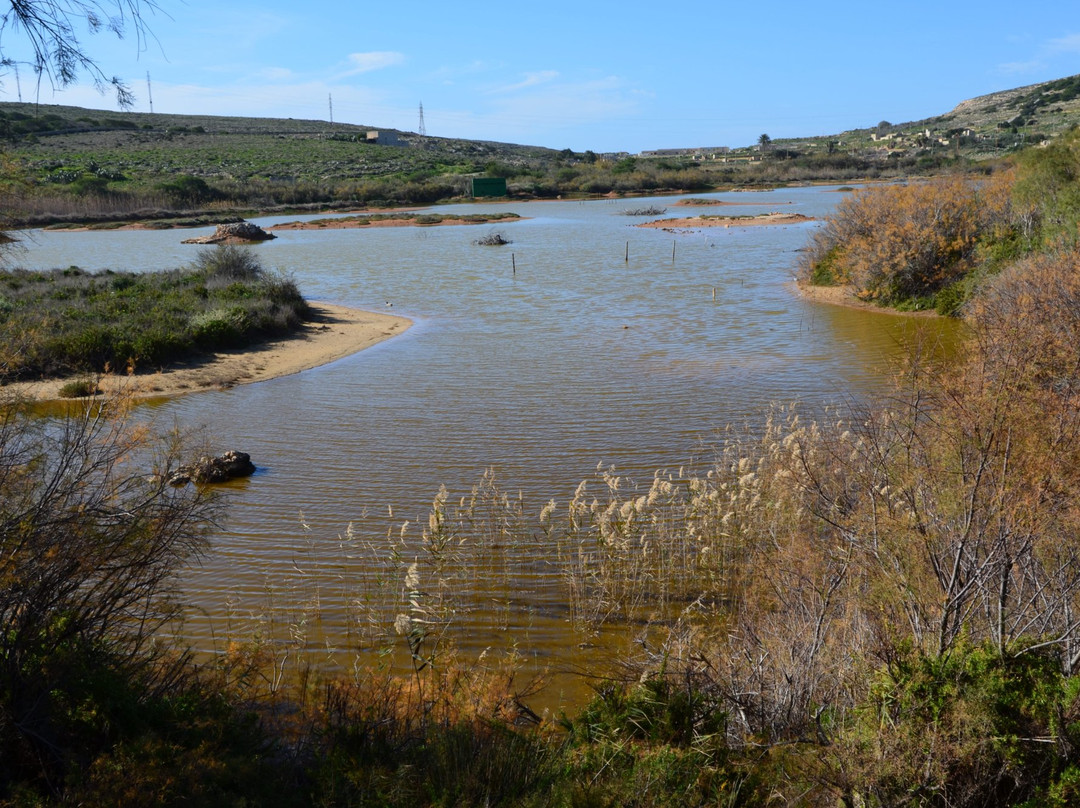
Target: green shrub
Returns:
[188, 190]
[227, 263]
[76, 321]
[219, 327]
[973, 727]
[89, 184]
[948, 301]
[79, 389]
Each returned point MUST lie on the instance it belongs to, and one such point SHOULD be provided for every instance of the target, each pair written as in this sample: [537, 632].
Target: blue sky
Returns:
[606, 76]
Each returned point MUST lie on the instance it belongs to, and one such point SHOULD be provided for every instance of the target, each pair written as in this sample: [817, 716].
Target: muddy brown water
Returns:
[582, 344]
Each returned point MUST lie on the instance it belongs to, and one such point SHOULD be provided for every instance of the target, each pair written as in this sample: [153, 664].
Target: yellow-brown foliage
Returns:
[944, 517]
[896, 242]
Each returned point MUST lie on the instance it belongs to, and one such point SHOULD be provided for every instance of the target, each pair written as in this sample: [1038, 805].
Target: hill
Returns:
[75, 164]
[153, 146]
[983, 128]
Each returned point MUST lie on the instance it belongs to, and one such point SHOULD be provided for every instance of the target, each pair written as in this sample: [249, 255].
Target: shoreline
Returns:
[333, 333]
[843, 296]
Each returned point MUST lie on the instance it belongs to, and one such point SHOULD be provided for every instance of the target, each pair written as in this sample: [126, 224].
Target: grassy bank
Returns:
[68, 321]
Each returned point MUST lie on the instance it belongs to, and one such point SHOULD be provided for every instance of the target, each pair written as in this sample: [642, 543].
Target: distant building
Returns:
[384, 138]
[489, 186]
[699, 153]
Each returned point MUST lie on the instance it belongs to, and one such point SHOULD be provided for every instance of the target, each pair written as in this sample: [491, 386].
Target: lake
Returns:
[584, 343]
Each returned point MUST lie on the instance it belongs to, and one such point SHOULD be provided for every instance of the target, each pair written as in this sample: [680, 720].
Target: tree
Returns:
[49, 27]
[91, 543]
[764, 142]
[897, 243]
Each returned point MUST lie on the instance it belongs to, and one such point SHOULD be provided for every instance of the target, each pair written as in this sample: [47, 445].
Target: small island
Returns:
[695, 222]
[706, 202]
[222, 321]
[397, 220]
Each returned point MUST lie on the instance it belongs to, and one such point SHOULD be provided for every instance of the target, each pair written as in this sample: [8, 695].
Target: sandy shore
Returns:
[334, 332]
[844, 296]
[695, 222]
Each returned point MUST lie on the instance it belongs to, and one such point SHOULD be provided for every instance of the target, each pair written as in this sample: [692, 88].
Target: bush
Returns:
[187, 191]
[70, 321]
[907, 242]
[227, 263]
[79, 389]
[89, 549]
[220, 327]
[970, 728]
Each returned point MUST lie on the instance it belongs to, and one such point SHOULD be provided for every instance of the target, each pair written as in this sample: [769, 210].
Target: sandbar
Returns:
[704, 202]
[332, 333]
[694, 222]
[388, 220]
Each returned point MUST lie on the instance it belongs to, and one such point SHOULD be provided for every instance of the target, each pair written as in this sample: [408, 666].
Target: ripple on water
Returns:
[579, 357]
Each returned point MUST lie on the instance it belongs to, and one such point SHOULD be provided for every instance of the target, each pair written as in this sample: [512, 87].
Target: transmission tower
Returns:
[422, 129]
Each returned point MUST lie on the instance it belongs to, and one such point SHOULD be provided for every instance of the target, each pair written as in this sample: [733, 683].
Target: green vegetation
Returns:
[63, 321]
[79, 388]
[69, 164]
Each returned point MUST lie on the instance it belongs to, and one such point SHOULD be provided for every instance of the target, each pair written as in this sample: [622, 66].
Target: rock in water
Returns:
[234, 233]
[218, 469]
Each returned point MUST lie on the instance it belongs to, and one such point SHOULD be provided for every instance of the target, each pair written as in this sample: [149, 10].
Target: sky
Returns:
[607, 76]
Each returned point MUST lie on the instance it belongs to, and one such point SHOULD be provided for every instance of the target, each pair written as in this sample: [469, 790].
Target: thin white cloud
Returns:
[1021, 68]
[1045, 54]
[276, 74]
[547, 114]
[372, 60]
[534, 79]
[246, 28]
[1065, 44]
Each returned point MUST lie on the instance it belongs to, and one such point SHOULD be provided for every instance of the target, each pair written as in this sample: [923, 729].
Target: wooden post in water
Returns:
[673, 251]
[513, 262]
[714, 294]
[627, 258]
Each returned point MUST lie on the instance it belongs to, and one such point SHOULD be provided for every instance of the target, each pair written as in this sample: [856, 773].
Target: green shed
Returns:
[489, 186]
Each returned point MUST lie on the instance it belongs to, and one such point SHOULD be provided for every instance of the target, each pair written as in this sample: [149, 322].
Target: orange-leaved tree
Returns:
[899, 242]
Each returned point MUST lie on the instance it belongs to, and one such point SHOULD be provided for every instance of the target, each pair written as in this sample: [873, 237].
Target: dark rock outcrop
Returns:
[218, 469]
